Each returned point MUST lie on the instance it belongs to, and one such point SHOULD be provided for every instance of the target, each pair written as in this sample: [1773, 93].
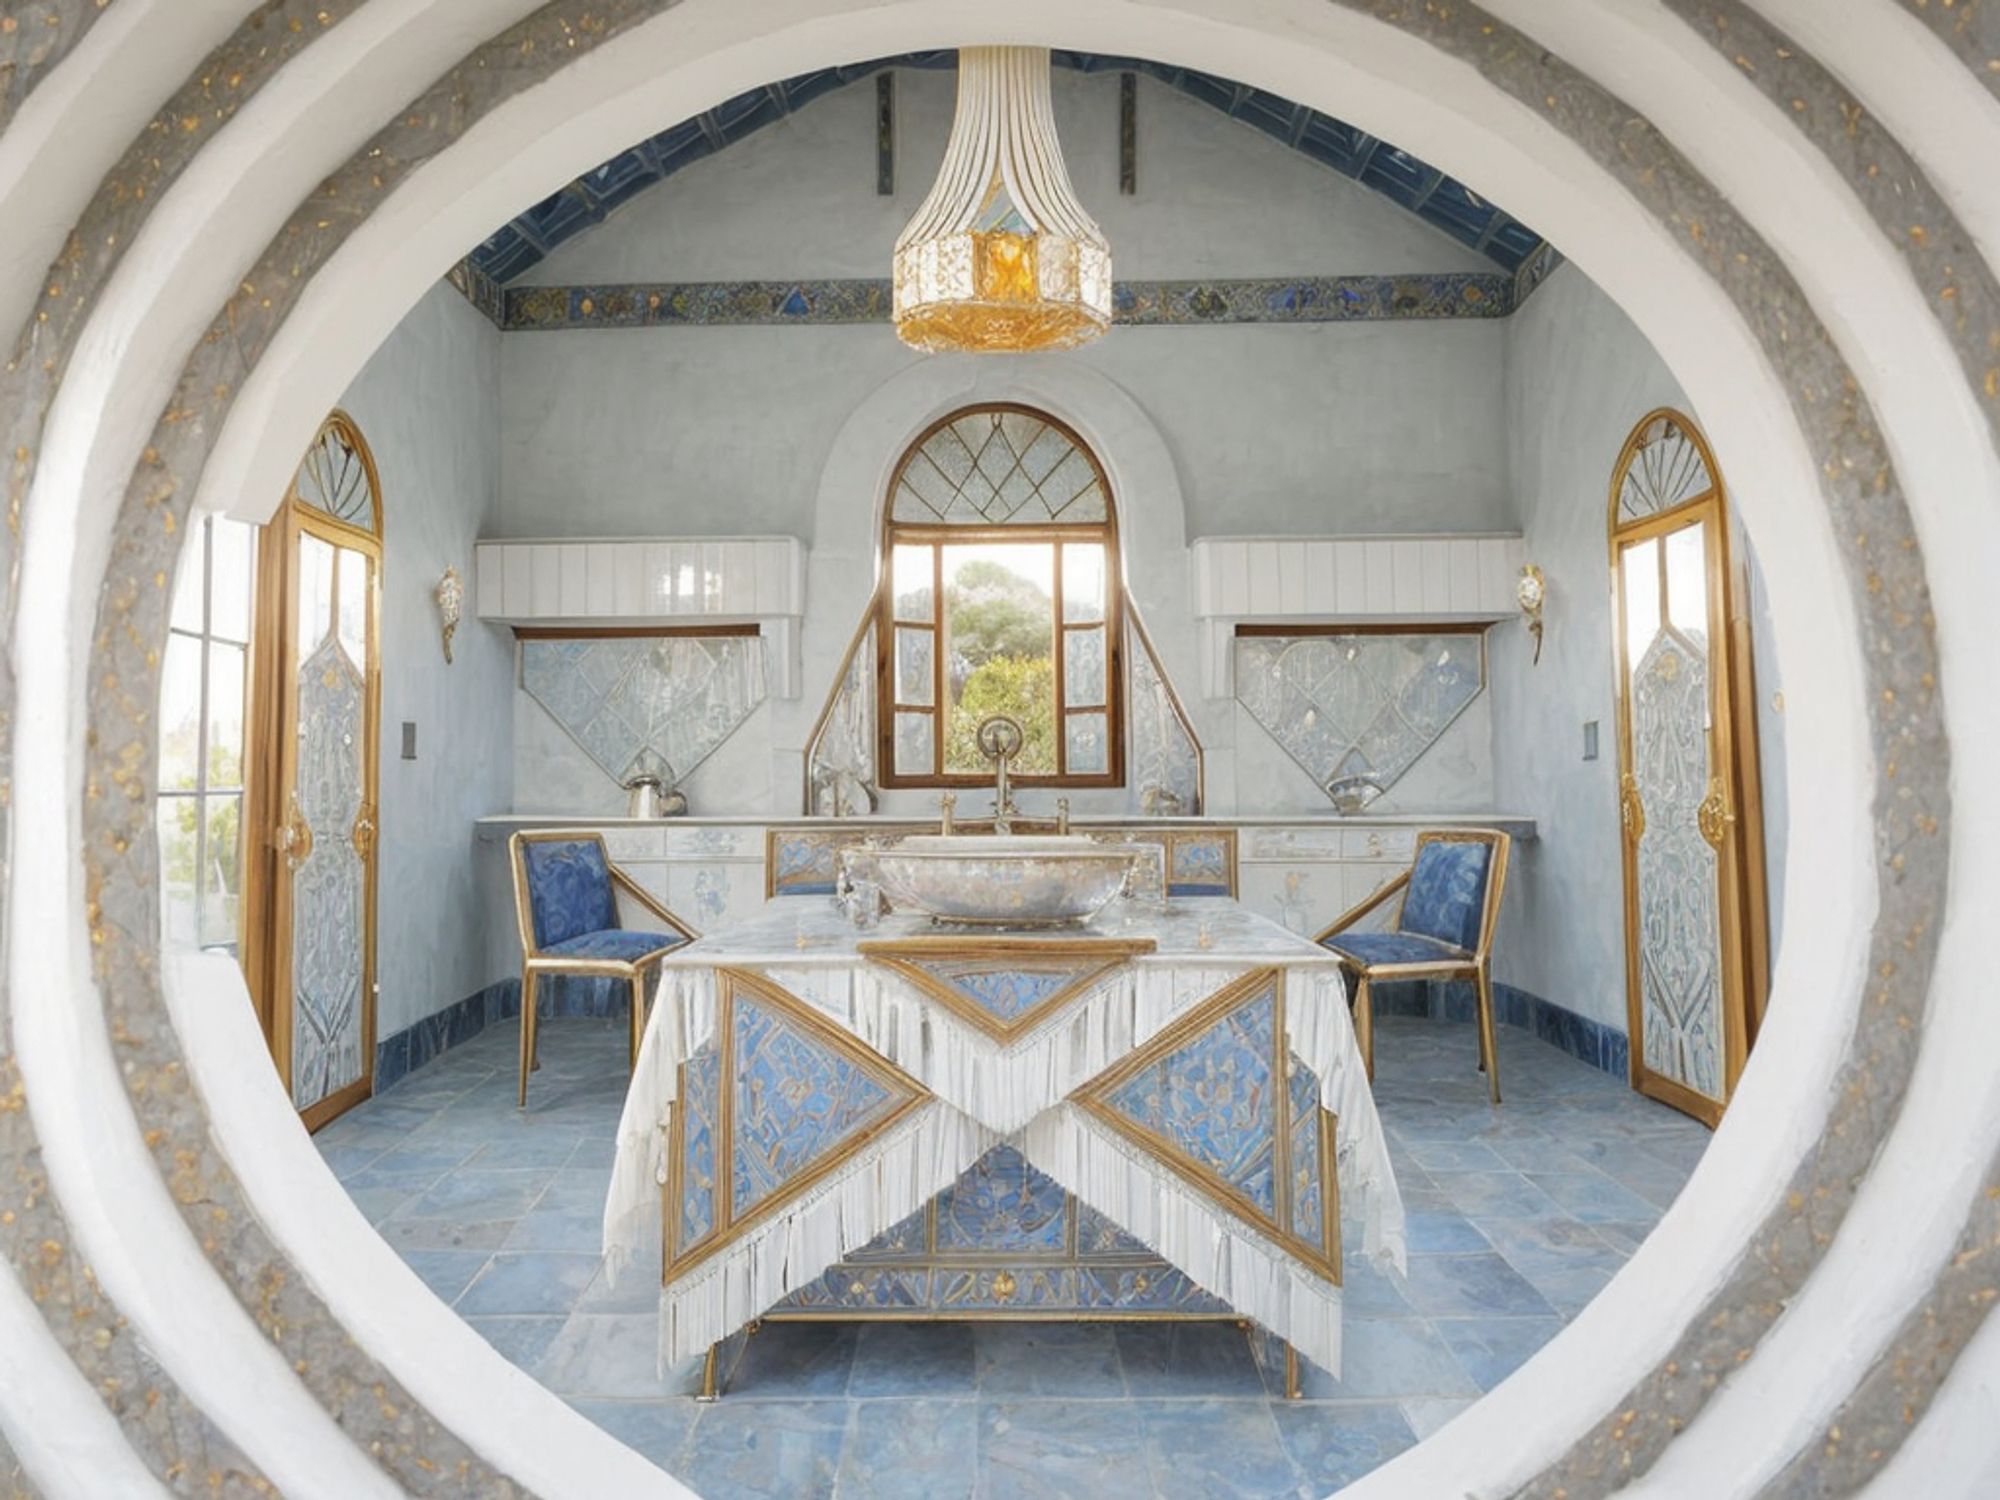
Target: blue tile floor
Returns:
[1518, 1216]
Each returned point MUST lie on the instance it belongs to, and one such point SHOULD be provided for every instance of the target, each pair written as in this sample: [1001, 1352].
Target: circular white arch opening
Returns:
[1332, 59]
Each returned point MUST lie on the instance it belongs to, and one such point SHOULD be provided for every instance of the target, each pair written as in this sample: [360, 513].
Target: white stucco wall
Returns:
[1579, 376]
[429, 404]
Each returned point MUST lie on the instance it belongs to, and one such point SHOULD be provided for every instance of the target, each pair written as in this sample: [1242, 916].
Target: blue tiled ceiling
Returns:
[1411, 184]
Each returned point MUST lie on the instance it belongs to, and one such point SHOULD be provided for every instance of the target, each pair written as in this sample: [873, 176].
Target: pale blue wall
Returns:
[429, 405]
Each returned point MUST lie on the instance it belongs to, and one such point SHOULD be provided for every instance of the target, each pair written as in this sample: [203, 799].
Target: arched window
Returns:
[1001, 596]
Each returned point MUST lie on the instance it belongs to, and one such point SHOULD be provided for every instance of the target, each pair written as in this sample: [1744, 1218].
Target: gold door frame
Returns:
[271, 767]
[1731, 818]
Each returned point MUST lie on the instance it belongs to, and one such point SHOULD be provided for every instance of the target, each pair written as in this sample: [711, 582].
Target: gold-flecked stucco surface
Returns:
[1884, 575]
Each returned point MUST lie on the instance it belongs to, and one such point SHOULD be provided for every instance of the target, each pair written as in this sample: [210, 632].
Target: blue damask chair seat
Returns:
[615, 943]
[566, 902]
[1377, 948]
[1451, 904]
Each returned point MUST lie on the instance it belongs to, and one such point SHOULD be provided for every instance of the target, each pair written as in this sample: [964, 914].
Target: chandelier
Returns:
[1001, 257]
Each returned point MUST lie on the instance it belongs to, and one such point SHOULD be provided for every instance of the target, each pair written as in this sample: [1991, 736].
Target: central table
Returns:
[1155, 1115]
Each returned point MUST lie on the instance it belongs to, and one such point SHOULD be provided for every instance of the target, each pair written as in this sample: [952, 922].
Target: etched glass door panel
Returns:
[331, 829]
[1667, 684]
[1688, 905]
[312, 926]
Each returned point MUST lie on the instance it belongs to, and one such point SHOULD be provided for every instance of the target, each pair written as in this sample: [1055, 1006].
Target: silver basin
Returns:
[1003, 880]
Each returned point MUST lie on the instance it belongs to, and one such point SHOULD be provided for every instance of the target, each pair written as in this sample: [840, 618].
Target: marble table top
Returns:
[813, 930]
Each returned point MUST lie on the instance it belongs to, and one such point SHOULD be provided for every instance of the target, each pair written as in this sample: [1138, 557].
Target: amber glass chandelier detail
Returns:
[1001, 257]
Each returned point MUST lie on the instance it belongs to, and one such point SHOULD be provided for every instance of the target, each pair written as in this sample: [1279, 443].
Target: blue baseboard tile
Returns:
[1603, 1047]
[398, 1056]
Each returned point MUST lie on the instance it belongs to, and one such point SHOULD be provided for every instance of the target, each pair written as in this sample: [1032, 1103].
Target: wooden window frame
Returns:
[937, 536]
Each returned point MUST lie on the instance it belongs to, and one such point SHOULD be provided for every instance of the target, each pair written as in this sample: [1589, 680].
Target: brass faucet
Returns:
[1000, 739]
[947, 805]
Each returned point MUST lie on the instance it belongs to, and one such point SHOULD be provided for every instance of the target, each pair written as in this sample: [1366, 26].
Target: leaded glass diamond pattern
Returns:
[1358, 705]
[998, 468]
[633, 703]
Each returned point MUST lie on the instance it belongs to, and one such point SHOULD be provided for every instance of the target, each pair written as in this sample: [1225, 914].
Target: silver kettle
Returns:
[643, 795]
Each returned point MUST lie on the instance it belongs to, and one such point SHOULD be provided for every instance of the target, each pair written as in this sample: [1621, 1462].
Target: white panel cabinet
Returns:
[1330, 580]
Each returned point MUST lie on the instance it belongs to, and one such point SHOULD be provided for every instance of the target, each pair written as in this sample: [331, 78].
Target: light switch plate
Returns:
[1590, 739]
[409, 739]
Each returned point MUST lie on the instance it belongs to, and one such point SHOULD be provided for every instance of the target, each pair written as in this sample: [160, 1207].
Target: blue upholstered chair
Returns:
[566, 900]
[1451, 904]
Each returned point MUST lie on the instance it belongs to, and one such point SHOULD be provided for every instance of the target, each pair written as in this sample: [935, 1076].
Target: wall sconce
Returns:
[450, 596]
[1529, 592]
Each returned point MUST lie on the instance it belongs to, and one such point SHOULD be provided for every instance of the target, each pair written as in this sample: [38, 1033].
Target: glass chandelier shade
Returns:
[1001, 257]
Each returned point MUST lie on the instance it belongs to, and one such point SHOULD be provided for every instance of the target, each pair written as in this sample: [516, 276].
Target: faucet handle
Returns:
[947, 804]
[1062, 815]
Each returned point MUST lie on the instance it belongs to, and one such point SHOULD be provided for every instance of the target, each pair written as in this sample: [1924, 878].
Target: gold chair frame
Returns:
[535, 963]
[1476, 965]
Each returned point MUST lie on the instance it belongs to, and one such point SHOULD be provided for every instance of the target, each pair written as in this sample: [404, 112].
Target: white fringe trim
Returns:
[1321, 1033]
[894, 1178]
[1179, 1222]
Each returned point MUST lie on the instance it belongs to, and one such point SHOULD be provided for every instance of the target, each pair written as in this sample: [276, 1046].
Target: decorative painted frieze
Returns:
[831, 301]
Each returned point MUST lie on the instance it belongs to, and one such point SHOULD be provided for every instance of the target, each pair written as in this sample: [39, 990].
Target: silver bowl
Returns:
[1004, 880]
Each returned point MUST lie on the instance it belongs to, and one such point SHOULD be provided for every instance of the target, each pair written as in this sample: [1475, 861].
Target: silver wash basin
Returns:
[1003, 880]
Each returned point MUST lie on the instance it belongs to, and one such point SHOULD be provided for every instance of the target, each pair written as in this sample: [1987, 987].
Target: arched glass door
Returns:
[319, 710]
[1688, 805]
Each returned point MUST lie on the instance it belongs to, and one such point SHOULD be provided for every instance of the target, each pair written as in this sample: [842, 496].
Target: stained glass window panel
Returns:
[1083, 668]
[1089, 744]
[998, 468]
[913, 744]
[915, 681]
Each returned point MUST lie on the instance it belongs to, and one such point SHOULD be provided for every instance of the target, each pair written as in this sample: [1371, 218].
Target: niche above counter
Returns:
[607, 583]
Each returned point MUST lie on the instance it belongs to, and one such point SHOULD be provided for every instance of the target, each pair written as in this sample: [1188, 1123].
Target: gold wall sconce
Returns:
[450, 596]
[1529, 592]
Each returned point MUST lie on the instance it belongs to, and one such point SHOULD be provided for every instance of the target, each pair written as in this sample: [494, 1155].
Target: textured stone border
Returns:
[1907, 728]
[1419, 295]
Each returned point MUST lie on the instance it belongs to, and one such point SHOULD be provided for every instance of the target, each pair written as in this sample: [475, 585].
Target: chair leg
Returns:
[530, 983]
[1488, 1046]
[1364, 1024]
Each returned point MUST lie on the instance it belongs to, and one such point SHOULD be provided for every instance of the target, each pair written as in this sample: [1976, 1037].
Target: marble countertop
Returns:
[1520, 825]
[813, 931]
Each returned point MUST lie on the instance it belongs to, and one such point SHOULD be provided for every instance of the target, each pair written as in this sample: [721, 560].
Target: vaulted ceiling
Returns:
[1440, 201]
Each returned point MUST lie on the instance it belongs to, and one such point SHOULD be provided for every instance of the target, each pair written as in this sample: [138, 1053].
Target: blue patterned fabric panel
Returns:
[1097, 1235]
[1005, 993]
[1447, 895]
[1144, 1286]
[907, 1241]
[1395, 948]
[803, 865]
[796, 1099]
[701, 1094]
[1308, 1221]
[569, 889]
[614, 943]
[846, 1288]
[1002, 1206]
[1200, 868]
[1215, 1099]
